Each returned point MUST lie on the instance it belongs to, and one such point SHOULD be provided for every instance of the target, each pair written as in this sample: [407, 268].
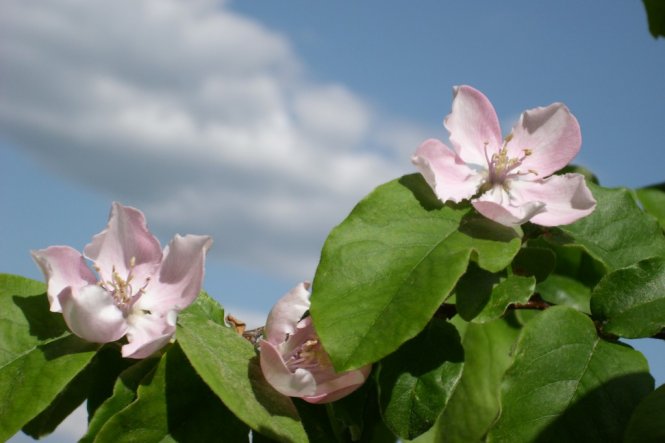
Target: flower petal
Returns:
[125, 239]
[445, 172]
[339, 386]
[473, 125]
[286, 314]
[91, 313]
[148, 333]
[566, 197]
[63, 267]
[552, 136]
[180, 275]
[298, 384]
[497, 205]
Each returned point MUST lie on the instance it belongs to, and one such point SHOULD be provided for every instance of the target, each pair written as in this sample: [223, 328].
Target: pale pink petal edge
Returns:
[551, 135]
[340, 386]
[502, 211]
[448, 176]
[91, 313]
[287, 312]
[567, 199]
[126, 238]
[280, 377]
[180, 275]
[473, 126]
[63, 267]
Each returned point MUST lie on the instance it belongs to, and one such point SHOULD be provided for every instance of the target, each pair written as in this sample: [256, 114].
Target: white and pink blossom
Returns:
[508, 180]
[293, 359]
[138, 290]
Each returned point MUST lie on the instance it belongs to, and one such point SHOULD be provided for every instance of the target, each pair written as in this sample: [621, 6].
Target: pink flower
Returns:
[508, 180]
[140, 289]
[292, 358]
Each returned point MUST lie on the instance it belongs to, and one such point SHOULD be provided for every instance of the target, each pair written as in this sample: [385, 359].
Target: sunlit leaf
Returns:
[417, 380]
[475, 402]
[38, 356]
[228, 364]
[567, 384]
[631, 301]
[562, 290]
[173, 405]
[385, 270]
[618, 233]
[124, 393]
[653, 199]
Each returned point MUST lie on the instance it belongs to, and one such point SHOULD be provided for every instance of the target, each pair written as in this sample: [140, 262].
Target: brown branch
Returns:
[535, 302]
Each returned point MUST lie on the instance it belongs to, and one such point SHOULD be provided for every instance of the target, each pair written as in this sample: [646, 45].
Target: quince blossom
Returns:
[140, 289]
[508, 180]
[292, 358]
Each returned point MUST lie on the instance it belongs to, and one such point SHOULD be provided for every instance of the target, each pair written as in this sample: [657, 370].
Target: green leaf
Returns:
[416, 381]
[562, 290]
[64, 404]
[656, 16]
[385, 270]
[38, 357]
[124, 393]
[631, 301]
[647, 425]
[230, 367]
[618, 233]
[207, 307]
[174, 405]
[653, 202]
[475, 403]
[567, 384]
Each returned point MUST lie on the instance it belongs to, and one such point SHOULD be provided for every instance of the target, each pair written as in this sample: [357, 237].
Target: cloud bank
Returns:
[203, 118]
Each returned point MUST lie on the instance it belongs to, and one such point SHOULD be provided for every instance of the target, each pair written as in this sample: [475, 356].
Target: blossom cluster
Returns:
[137, 289]
[510, 180]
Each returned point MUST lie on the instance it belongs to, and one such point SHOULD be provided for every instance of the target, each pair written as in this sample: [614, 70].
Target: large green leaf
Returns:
[416, 381]
[174, 405]
[653, 198]
[38, 357]
[67, 400]
[562, 290]
[475, 403]
[229, 365]
[631, 301]
[618, 233]
[647, 425]
[567, 384]
[385, 270]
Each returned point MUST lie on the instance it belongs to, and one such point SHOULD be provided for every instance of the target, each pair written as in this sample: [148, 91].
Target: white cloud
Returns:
[200, 116]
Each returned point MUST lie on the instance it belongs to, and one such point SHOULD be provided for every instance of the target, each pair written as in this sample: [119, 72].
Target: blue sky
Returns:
[262, 123]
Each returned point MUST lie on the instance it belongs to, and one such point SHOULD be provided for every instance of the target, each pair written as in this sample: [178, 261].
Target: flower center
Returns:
[121, 288]
[309, 355]
[500, 166]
